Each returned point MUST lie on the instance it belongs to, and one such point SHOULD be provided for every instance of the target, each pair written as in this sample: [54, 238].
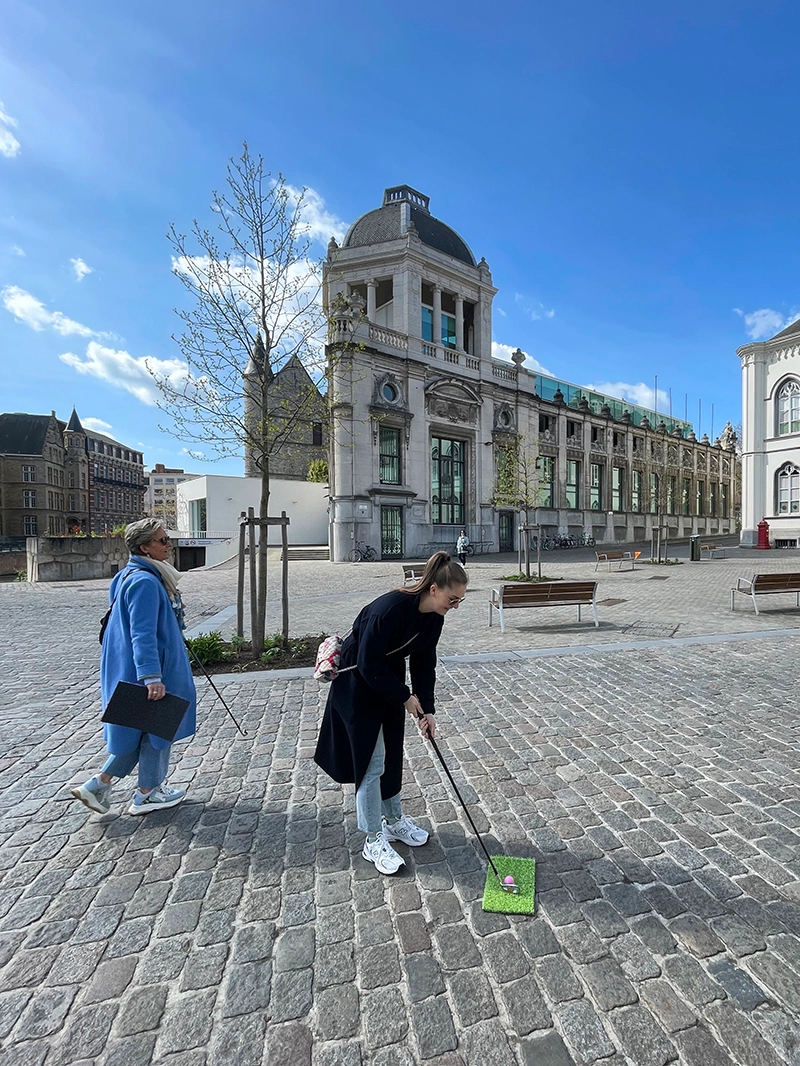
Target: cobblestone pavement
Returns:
[657, 787]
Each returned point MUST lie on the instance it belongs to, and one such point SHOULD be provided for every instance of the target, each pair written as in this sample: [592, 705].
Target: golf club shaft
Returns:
[466, 811]
[219, 694]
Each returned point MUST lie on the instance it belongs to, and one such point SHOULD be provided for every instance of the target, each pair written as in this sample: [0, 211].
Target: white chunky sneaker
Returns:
[95, 795]
[406, 831]
[381, 852]
[157, 799]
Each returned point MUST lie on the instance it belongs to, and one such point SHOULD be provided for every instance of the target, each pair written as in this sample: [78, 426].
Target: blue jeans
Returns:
[153, 763]
[369, 805]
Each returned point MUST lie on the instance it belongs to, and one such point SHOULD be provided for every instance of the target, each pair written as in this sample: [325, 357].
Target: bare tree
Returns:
[254, 307]
[521, 483]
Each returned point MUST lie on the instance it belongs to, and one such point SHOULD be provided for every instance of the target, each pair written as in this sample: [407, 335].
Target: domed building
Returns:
[431, 434]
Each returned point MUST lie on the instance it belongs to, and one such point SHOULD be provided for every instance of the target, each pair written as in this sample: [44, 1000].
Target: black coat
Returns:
[360, 701]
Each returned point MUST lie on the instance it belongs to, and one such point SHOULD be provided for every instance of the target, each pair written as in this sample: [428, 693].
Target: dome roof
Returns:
[402, 205]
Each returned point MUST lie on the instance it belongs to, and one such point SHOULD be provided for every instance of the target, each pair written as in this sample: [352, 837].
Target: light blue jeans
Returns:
[153, 763]
[369, 805]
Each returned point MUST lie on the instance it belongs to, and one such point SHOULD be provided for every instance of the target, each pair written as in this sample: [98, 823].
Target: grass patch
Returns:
[236, 656]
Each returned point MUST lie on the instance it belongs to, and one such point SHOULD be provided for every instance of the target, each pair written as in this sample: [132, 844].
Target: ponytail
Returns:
[440, 570]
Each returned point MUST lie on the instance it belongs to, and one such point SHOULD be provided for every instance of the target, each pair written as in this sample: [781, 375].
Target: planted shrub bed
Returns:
[236, 656]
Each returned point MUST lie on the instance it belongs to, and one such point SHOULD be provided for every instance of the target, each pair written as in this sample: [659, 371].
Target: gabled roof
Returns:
[794, 327]
[22, 434]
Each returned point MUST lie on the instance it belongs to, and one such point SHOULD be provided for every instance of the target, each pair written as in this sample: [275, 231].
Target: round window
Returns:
[389, 392]
[504, 419]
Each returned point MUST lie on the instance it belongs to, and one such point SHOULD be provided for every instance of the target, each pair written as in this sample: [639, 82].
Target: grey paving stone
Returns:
[605, 920]
[289, 1045]
[334, 964]
[132, 1051]
[488, 1044]
[557, 979]
[580, 943]
[205, 968]
[457, 948]
[45, 1013]
[432, 1024]
[471, 995]
[741, 1038]
[607, 984]
[691, 980]
[246, 988]
[584, 1031]
[294, 949]
[109, 980]
[699, 1048]
[637, 963]
[385, 1017]
[338, 1055]
[776, 976]
[163, 961]
[642, 1040]
[75, 964]
[671, 1012]
[291, 995]
[179, 918]
[12, 1005]
[547, 1049]
[142, 1012]
[240, 1041]
[507, 961]
[526, 1008]
[424, 977]
[378, 966]
[338, 1012]
[85, 1036]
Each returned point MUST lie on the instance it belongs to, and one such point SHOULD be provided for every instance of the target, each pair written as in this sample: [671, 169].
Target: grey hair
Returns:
[139, 533]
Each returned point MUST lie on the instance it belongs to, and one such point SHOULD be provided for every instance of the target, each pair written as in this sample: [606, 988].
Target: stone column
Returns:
[459, 323]
[372, 287]
[437, 314]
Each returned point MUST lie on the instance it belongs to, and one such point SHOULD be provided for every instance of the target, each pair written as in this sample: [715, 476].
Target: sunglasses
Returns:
[161, 540]
[455, 600]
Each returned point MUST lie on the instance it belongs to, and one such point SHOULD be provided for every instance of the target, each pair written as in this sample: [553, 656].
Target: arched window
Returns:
[787, 486]
[789, 408]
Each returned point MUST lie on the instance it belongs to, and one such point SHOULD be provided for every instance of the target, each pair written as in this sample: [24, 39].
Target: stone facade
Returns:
[430, 433]
[75, 558]
[771, 437]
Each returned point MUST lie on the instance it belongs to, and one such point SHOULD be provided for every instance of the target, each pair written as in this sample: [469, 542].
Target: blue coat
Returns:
[143, 639]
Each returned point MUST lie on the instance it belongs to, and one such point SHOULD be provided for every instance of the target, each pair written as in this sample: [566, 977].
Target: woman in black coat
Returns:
[361, 739]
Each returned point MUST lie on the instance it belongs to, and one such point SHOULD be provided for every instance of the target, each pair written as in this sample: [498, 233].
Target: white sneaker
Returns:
[95, 795]
[406, 831]
[157, 799]
[381, 852]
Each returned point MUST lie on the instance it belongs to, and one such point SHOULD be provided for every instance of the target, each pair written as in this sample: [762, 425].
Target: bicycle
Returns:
[363, 553]
[587, 541]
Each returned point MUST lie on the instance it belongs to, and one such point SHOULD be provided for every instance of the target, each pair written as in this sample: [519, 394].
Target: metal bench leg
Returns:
[594, 608]
[733, 598]
[502, 619]
[490, 613]
[754, 602]
[579, 612]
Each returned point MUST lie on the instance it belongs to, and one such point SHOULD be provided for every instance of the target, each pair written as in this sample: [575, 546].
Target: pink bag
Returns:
[329, 654]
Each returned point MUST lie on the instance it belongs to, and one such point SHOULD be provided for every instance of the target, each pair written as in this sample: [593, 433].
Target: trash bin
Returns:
[694, 548]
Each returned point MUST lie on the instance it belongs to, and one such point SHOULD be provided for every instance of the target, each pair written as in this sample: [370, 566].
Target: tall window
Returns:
[447, 481]
[596, 486]
[712, 499]
[671, 484]
[389, 455]
[700, 497]
[686, 489]
[545, 474]
[29, 498]
[427, 323]
[788, 489]
[654, 494]
[30, 525]
[789, 408]
[28, 473]
[724, 500]
[636, 490]
[573, 483]
[617, 488]
[316, 438]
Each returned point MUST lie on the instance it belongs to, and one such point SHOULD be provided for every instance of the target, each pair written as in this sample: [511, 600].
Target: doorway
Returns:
[391, 532]
[506, 531]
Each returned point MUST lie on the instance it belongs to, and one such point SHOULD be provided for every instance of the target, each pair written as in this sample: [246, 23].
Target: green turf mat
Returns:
[524, 873]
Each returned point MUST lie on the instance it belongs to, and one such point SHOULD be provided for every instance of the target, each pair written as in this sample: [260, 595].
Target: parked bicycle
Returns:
[363, 553]
[587, 541]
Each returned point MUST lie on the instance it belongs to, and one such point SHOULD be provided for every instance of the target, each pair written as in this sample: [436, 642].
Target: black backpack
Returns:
[104, 620]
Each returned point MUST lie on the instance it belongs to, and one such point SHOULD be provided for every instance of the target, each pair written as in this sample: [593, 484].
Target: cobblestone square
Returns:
[653, 774]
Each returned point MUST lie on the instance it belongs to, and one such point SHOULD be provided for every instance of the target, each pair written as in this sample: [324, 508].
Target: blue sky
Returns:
[630, 172]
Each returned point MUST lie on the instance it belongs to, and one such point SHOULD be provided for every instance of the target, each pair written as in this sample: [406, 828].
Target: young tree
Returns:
[520, 483]
[254, 308]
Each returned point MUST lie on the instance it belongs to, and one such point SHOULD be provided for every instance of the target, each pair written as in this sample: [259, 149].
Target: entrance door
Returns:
[506, 531]
[391, 532]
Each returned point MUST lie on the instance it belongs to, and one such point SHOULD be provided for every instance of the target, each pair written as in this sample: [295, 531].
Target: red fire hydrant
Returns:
[763, 534]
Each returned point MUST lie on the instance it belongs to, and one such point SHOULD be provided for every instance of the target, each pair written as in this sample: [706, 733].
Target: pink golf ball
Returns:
[509, 880]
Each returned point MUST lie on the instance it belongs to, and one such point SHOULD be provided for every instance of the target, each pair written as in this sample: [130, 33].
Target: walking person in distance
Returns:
[143, 644]
[362, 733]
[461, 547]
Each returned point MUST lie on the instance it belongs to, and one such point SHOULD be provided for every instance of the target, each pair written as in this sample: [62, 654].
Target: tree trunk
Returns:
[263, 538]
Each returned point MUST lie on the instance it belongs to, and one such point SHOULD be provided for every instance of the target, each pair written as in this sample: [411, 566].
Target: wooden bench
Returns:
[616, 555]
[711, 550]
[543, 594]
[766, 585]
[413, 572]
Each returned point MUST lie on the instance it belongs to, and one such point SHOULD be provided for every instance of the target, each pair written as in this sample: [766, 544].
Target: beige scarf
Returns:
[169, 575]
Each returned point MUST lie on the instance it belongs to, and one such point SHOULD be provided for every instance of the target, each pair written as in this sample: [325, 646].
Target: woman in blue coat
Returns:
[361, 737]
[143, 644]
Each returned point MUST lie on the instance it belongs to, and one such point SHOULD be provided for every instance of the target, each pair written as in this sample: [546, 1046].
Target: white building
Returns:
[427, 425]
[771, 438]
[161, 485]
[209, 506]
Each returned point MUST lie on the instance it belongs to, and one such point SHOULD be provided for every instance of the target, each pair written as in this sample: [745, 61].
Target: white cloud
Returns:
[80, 269]
[500, 311]
[97, 425]
[765, 323]
[534, 310]
[121, 369]
[319, 223]
[505, 351]
[640, 394]
[32, 312]
[15, 248]
[9, 145]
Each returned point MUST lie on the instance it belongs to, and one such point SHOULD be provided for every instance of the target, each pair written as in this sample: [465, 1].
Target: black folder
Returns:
[129, 706]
